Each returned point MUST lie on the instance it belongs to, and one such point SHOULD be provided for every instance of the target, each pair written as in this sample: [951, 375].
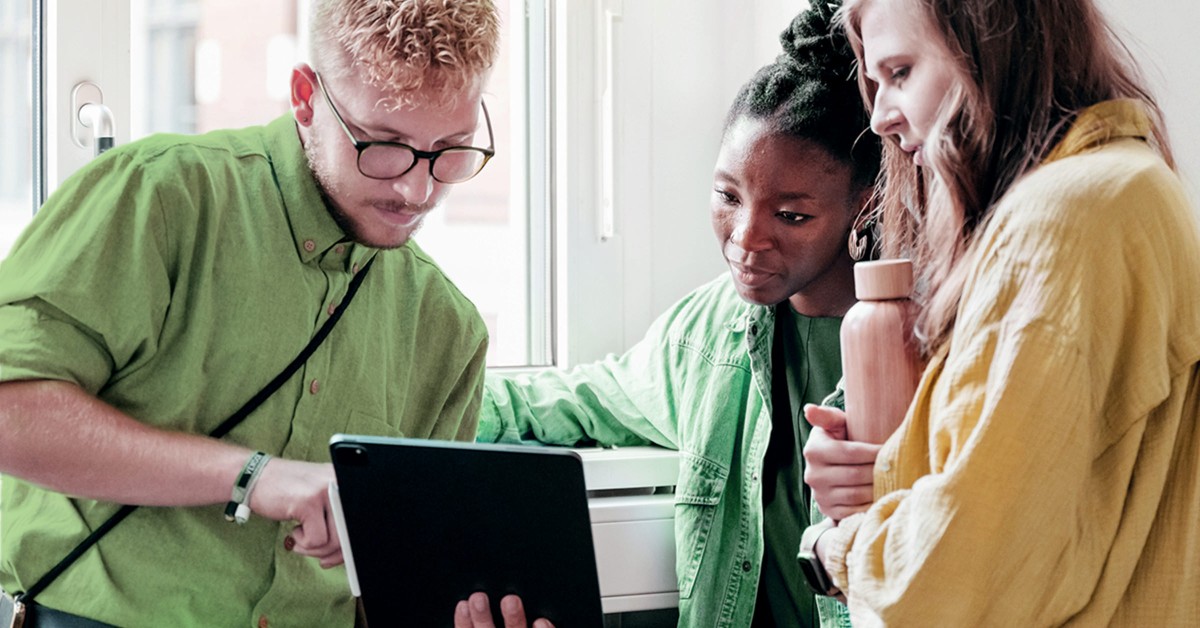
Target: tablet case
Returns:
[430, 522]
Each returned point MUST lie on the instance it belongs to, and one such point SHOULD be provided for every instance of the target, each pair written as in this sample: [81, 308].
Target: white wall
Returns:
[678, 65]
[1162, 35]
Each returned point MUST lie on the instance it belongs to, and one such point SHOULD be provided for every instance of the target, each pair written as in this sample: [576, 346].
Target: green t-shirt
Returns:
[173, 277]
[807, 352]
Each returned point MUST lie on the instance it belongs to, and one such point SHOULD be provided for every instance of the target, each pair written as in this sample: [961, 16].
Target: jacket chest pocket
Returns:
[697, 495]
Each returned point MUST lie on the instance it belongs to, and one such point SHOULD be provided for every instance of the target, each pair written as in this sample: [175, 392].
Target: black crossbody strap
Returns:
[221, 430]
[286, 374]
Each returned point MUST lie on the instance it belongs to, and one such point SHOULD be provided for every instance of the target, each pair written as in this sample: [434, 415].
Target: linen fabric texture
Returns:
[1048, 472]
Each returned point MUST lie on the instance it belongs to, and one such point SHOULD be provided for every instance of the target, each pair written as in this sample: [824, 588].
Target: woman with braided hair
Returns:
[723, 375]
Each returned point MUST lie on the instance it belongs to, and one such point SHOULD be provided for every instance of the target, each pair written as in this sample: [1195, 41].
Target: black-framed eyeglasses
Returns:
[388, 160]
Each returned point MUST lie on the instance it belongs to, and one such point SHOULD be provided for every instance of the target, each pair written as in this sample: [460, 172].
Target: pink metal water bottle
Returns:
[879, 366]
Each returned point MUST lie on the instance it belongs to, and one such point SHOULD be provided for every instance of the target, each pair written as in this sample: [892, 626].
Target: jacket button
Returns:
[262, 621]
[746, 566]
[753, 329]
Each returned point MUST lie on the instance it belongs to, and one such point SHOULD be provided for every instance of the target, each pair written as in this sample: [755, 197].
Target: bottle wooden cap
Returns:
[883, 279]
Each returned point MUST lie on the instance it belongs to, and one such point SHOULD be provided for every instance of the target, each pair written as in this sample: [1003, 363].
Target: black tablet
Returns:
[430, 522]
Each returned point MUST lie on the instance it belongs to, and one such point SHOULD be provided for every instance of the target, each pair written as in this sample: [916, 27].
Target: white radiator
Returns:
[631, 501]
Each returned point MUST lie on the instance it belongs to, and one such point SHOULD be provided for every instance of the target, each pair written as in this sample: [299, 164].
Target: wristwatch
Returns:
[814, 572]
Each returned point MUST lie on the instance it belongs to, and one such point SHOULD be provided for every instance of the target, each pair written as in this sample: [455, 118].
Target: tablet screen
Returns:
[430, 522]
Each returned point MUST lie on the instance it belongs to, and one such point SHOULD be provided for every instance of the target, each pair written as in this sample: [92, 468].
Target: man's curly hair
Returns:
[419, 51]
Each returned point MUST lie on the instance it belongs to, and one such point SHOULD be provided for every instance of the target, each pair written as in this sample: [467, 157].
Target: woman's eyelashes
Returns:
[900, 73]
[792, 217]
[725, 197]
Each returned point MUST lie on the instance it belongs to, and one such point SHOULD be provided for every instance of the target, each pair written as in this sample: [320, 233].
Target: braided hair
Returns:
[810, 92]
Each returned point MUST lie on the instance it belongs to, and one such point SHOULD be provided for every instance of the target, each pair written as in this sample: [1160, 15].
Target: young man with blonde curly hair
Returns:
[169, 281]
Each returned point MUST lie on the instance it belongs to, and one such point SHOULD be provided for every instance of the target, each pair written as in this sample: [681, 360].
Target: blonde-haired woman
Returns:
[1048, 471]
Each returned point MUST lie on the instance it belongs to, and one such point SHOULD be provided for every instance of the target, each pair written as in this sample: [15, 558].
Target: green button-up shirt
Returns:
[173, 278]
[699, 382]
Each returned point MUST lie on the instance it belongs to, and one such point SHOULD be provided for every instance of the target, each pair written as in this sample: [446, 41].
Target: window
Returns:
[213, 64]
[490, 236]
[16, 116]
[527, 240]
[524, 241]
[198, 65]
[167, 62]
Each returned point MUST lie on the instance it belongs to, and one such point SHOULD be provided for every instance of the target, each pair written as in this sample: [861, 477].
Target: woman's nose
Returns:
[750, 232]
[885, 117]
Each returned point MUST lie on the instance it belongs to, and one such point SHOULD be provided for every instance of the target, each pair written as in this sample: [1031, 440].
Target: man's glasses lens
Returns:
[452, 165]
[388, 160]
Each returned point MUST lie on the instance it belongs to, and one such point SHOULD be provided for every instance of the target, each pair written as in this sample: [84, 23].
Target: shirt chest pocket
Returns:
[697, 495]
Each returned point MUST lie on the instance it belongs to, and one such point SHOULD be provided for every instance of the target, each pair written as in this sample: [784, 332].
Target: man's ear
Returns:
[304, 87]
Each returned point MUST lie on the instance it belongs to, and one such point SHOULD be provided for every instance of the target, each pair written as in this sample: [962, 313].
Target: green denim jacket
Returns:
[699, 382]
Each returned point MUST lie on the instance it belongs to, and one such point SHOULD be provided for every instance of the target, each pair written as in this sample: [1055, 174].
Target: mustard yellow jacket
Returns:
[1048, 471]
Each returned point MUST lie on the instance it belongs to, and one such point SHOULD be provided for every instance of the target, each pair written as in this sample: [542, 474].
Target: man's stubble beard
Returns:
[327, 187]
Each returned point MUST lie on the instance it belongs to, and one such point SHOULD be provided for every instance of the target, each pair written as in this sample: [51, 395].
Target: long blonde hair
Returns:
[1027, 69]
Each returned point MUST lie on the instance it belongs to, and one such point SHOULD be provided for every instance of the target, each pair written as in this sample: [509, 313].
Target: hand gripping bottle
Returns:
[880, 369]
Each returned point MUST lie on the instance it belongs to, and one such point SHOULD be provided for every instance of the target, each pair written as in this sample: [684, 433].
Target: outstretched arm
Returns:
[61, 437]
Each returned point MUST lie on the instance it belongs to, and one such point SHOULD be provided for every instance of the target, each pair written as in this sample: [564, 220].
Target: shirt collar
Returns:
[1103, 123]
[747, 314]
[313, 229]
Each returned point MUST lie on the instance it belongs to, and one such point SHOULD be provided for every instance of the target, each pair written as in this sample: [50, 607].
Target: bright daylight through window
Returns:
[16, 91]
[200, 65]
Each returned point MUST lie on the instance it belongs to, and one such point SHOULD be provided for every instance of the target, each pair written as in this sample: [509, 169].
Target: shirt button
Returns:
[354, 269]
[262, 621]
[341, 248]
[885, 466]
[332, 308]
[310, 246]
[753, 330]
[314, 386]
[289, 544]
[746, 566]
[754, 477]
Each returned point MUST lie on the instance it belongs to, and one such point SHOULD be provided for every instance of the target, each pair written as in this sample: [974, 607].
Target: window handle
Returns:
[92, 123]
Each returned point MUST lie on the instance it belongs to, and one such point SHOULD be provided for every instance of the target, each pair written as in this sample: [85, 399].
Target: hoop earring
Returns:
[858, 244]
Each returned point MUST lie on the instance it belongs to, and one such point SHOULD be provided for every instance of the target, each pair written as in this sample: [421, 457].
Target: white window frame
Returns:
[78, 51]
[86, 40]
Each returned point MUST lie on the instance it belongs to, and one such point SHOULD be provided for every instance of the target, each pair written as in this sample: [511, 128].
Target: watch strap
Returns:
[810, 565]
